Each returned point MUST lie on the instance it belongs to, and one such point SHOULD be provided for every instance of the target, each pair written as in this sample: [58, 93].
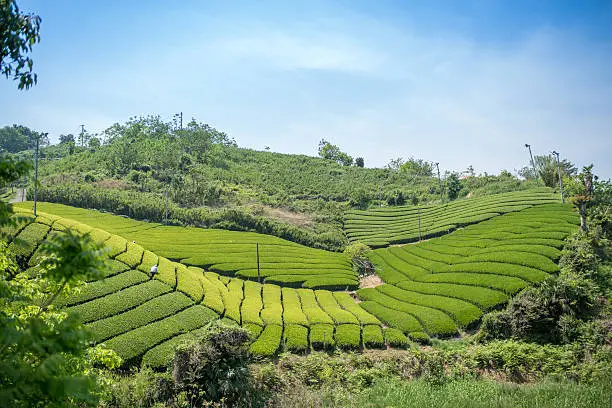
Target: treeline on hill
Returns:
[210, 181]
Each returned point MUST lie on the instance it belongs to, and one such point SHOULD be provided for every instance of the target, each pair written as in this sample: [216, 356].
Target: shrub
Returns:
[395, 338]
[419, 337]
[295, 338]
[329, 304]
[268, 341]
[348, 336]
[103, 287]
[394, 318]
[311, 308]
[272, 312]
[322, 336]
[348, 303]
[292, 308]
[372, 336]
[214, 367]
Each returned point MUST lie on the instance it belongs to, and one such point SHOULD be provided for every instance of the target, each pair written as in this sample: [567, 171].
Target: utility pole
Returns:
[82, 134]
[560, 179]
[181, 120]
[535, 172]
[419, 210]
[258, 269]
[166, 217]
[439, 181]
[36, 170]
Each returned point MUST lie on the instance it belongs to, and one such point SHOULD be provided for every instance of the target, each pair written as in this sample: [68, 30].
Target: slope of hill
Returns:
[379, 227]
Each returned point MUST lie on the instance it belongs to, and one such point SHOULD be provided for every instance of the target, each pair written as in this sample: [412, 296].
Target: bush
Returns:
[214, 368]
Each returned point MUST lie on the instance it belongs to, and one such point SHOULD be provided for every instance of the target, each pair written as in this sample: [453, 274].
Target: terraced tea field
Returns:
[437, 287]
[230, 253]
[381, 227]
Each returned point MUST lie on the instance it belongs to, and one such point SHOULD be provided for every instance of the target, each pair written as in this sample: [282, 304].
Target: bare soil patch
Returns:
[370, 281]
[290, 217]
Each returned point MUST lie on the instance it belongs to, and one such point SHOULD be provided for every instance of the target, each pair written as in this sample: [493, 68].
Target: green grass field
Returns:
[437, 287]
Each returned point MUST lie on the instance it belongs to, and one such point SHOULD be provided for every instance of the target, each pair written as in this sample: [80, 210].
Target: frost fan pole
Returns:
[36, 174]
[258, 270]
[439, 181]
[419, 210]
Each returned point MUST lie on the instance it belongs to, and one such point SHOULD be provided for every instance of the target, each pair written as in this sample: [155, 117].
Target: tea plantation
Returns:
[437, 287]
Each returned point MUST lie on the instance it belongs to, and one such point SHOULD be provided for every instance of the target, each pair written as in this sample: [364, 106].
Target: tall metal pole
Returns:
[166, 217]
[181, 120]
[258, 270]
[419, 210]
[439, 180]
[36, 172]
[535, 172]
[82, 135]
[560, 179]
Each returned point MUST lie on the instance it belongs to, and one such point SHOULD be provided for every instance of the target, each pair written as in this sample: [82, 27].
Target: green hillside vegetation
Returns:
[447, 283]
[229, 253]
[380, 227]
[212, 182]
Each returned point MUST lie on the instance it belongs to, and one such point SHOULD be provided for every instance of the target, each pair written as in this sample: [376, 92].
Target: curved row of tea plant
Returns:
[446, 284]
[231, 253]
[381, 227]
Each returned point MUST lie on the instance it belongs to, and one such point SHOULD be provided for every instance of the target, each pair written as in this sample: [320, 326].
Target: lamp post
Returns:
[535, 172]
[560, 179]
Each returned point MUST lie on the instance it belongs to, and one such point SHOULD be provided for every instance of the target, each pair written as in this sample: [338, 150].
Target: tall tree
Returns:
[548, 171]
[18, 33]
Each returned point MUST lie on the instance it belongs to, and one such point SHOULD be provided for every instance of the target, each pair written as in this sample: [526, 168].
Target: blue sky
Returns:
[460, 83]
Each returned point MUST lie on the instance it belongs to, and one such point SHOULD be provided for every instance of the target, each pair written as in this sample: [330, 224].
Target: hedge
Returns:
[212, 295]
[531, 260]
[434, 321]
[252, 303]
[348, 303]
[161, 355]
[507, 284]
[322, 336]
[233, 299]
[419, 337]
[272, 312]
[166, 272]
[114, 267]
[134, 343]
[103, 287]
[119, 301]
[116, 245]
[372, 336]
[148, 260]
[395, 338]
[311, 308]
[253, 329]
[496, 268]
[348, 336]
[463, 312]
[268, 341]
[331, 283]
[394, 318]
[188, 282]
[330, 305]
[485, 298]
[385, 258]
[292, 308]
[155, 309]
[295, 338]
[133, 256]
[99, 235]
[28, 239]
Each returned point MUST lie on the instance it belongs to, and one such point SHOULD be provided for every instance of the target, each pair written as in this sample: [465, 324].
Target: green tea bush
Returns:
[396, 338]
[311, 308]
[268, 341]
[118, 302]
[328, 303]
[348, 303]
[233, 299]
[292, 308]
[155, 309]
[116, 245]
[272, 312]
[135, 342]
[252, 303]
[507, 284]
[372, 336]
[104, 287]
[295, 338]
[133, 256]
[348, 336]
[485, 298]
[189, 282]
[322, 336]
[394, 318]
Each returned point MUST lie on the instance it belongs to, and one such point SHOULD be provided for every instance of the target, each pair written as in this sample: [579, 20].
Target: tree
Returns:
[359, 162]
[453, 186]
[548, 170]
[333, 152]
[66, 138]
[18, 33]
[417, 167]
[17, 138]
[580, 191]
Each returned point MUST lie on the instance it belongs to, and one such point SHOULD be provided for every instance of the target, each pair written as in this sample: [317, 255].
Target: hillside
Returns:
[438, 287]
[212, 182]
